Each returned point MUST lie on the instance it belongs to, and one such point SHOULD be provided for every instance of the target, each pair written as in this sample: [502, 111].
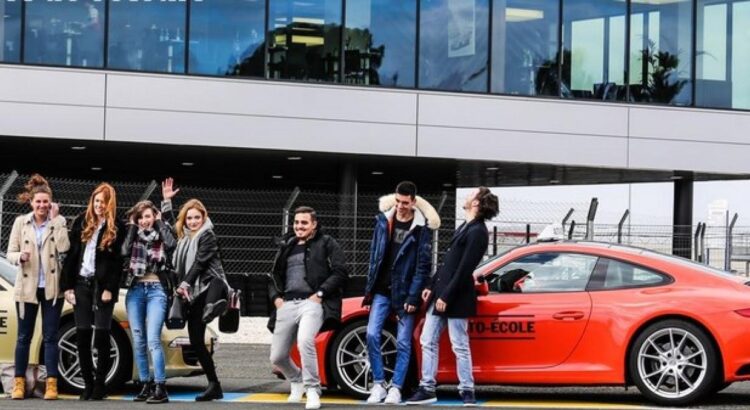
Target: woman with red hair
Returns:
[91, 279]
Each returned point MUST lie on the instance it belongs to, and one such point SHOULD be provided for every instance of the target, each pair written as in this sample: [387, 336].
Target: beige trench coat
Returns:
[54, 242]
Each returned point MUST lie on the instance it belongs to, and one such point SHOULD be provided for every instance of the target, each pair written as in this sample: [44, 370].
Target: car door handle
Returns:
[569, 315]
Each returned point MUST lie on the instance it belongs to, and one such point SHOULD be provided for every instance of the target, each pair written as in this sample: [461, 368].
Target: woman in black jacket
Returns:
[147, 250]
[201, 276]
[91, 280]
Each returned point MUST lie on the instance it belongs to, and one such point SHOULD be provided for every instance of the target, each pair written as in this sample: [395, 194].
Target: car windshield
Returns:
[7, 271]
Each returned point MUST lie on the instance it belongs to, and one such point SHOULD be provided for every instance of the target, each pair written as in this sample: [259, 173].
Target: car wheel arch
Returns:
[643, 326]
[331, 382]
[124, 372]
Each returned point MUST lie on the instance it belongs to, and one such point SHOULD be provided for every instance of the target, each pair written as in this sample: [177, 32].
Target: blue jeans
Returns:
[50, 326]
[379, 312]
[430, 340]
[146, 304]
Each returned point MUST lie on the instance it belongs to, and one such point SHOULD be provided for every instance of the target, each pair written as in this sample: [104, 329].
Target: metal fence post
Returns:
[619, 225]
[149, 190]
[728, 243]
[696, 244]
[436, 234]
[3, 190]
[572, 228]
[567, 216]
[590, 219]
[285, 212]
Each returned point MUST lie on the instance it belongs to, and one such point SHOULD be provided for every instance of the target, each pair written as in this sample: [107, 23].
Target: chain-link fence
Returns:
[248, 224]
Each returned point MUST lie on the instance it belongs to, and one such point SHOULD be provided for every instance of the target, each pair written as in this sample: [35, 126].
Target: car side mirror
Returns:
[482, 288]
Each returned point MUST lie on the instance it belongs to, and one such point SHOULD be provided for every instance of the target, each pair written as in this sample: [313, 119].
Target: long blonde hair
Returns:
[90, 225]
[196, 204]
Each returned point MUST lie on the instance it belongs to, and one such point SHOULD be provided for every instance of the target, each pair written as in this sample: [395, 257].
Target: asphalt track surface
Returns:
[245, 375]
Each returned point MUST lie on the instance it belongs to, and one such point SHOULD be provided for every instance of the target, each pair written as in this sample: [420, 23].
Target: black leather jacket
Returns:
[326, 270]
[164, 271]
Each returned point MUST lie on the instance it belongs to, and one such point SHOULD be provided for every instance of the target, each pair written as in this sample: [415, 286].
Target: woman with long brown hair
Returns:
[201, 276]
[91, 280]
[147, 249]
[36, 242]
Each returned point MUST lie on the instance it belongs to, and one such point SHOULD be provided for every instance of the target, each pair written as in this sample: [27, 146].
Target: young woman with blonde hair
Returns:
[147, 248]
[36, 242]
[91, 281]
[201, 277]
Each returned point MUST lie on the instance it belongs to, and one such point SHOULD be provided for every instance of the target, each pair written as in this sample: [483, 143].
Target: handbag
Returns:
[229, 322]
[176, 317]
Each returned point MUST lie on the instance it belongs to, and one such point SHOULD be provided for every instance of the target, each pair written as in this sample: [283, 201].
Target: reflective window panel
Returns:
[594, 49]
[10, 31]
[453, 45]
[147, 36]
[227, 37]
[380, 42]
[524, 47]
[723, 54]
[304, 40]
[65, 33]
[661, 51]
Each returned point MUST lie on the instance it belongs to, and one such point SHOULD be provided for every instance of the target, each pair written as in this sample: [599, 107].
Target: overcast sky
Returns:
[649, 204]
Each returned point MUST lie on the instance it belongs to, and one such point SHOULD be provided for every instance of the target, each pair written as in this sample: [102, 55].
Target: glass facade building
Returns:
[670, 52]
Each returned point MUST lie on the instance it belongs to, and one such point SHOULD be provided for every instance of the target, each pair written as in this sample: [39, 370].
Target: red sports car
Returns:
[575, 313]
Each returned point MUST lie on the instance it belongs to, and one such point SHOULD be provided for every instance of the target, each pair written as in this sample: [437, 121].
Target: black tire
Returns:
[354, 377]
[122, 360]
[674, 363]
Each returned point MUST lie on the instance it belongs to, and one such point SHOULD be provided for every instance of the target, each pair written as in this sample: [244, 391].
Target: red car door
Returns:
[534, 315]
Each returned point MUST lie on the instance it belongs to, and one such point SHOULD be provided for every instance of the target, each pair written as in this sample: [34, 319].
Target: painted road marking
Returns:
[343, 400]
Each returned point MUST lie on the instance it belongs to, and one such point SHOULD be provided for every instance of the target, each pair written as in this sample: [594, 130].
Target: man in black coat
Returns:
[451, 299]
[306, 288]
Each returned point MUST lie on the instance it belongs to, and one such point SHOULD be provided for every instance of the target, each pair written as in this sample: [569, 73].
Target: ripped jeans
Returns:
[146, 304]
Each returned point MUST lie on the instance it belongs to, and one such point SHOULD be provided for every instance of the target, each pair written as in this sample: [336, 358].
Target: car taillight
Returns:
[743, 312]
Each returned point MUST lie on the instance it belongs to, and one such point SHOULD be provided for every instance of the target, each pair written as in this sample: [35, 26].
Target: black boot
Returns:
[159, 395]
[83, 342]
[213, 392]
[101, 342]
[146, 391]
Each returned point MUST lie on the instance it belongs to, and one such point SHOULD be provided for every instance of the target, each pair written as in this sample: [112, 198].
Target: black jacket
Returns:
[454, 282]
[326, 270]
[168, 243]
[207, 264]
[108, 262]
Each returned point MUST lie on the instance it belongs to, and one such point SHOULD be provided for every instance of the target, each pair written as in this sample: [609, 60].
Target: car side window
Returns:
[619, 275]
[544, 272]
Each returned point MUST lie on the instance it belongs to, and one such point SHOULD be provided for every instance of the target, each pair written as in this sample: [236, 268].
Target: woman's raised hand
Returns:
[167, 189]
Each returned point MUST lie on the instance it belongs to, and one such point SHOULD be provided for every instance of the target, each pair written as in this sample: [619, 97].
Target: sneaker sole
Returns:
[426, 401]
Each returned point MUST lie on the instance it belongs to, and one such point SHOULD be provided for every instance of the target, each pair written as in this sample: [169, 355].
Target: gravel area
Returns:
[252, 330]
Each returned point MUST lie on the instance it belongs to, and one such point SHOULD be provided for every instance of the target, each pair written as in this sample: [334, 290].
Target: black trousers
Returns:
[197, 329]
[92, 322]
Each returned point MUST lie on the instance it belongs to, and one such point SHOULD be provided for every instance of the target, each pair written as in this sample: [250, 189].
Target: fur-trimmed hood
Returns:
[424, 213]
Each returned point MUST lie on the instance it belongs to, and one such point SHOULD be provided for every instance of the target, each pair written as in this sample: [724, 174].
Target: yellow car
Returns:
[180, 358]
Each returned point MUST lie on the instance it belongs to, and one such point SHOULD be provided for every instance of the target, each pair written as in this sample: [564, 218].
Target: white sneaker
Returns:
[313, 399]
[394, 396]
[377, 394]
[298, 389]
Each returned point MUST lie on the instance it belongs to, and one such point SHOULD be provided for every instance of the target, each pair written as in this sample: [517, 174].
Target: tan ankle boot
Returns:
[51, 392]
[19, 388]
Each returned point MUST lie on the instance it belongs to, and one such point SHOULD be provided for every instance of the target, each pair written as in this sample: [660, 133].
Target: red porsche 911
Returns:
[581, 313]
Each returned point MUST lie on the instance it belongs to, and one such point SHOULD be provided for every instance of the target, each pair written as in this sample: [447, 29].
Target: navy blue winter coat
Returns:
[413, 264]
